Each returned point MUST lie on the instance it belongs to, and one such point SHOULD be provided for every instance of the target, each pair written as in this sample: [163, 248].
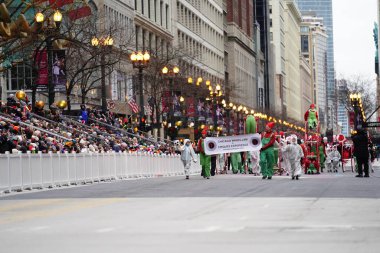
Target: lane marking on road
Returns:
[14, 205]
[60, 210]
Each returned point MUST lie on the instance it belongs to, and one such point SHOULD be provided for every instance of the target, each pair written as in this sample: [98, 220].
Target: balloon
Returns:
[40, 104]
[62, 104]
[250, 125]
[20, 95]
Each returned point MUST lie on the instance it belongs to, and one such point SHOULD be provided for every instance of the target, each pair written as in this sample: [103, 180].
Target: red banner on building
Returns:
[43, 73]
[190, 108]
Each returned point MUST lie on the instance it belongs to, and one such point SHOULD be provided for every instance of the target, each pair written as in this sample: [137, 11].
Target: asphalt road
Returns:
[228, 213]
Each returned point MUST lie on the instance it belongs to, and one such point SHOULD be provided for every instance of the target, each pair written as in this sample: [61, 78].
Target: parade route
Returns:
[241, 213]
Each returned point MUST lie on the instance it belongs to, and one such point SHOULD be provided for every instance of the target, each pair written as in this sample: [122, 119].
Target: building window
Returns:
[167, 16]
[155, 10]
[142, 6]
[20, 77]
[161, 5]
[149, 8]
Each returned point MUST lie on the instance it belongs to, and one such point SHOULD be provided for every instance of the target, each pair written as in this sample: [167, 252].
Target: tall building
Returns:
[323, 8]
[266, 86]
[343, 121]
[314, 49]
[240, 53]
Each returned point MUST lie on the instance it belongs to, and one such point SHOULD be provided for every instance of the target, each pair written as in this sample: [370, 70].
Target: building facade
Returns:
[323, 8]
[240, 55]
[277, 41]
[306, 84]
[199, 31]
[292, 23]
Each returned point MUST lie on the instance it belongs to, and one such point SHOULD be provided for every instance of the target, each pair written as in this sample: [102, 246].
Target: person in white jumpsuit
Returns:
[294, 153]
[187, 154]
[333, 159]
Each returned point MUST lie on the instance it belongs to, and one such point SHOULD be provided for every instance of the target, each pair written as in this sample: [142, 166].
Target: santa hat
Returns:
[312, 106]
[282, 133]
[271, 125]
[204, 131]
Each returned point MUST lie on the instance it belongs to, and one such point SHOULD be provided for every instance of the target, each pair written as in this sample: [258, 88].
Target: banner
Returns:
[190, 111]
[59, 70]
[43, 73]
[232, 144]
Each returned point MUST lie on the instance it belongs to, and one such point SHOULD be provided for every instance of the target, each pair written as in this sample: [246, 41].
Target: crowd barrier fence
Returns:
[20, 172]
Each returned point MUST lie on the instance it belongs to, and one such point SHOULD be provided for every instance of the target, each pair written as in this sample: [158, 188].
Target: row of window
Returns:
[195, 24]
[155, 10]
[202, 53]
[146, 40]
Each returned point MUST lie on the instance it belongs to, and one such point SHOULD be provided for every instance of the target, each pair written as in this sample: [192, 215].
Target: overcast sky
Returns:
[353, 37]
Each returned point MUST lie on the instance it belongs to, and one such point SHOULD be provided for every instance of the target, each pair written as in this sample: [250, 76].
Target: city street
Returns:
[229, 213]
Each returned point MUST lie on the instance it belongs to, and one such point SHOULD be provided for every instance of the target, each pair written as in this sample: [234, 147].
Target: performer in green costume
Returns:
[267, 151]
[205, 160]
[311, 116]
[237, 165]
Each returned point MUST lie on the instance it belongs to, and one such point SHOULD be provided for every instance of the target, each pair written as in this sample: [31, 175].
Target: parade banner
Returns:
[232, 144]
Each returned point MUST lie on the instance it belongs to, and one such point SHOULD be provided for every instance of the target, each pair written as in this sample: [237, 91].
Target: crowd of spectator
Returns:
[50, 131]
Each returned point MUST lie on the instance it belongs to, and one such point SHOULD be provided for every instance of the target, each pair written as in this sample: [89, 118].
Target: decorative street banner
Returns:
[232, 144]
[190, 111]
[43, 74]
[59, 70]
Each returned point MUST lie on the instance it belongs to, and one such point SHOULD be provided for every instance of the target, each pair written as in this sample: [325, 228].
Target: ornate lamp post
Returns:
[105, 44]
[171, 73]
[215, 95]
[228, 107]
[50, 30]
[140, 61]
[356, 103]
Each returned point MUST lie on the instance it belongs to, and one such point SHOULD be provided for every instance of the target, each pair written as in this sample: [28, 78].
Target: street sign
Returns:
[371, 124]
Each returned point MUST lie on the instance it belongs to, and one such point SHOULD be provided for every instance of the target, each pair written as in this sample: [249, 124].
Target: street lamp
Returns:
[140, 61]
[105, 43]
[171, 72]
[215, 95]
[356, 103]
[50, 31]
[228, 107]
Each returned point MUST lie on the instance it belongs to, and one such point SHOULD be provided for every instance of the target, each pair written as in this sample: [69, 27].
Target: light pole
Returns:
[104, 44]
[228, 108]
[215, 95]
[140, 61]
[50, 31]
[171, 73]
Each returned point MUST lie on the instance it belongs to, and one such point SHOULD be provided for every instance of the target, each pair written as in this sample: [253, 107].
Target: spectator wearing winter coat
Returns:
[361, 153]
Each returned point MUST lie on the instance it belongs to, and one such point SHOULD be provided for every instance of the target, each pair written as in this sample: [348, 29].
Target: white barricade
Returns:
[31, 171]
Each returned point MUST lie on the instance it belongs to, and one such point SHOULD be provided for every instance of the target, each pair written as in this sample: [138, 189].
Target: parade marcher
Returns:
[187, 155]
[311, 116]
[333, 159]
[222, 163]
[294, 154]
[236, 163]
[361, 153]
[322, 153]
[267, 152]
[204, 159]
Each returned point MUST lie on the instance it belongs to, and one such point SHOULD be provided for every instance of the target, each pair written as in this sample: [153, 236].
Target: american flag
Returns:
[132, 103]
